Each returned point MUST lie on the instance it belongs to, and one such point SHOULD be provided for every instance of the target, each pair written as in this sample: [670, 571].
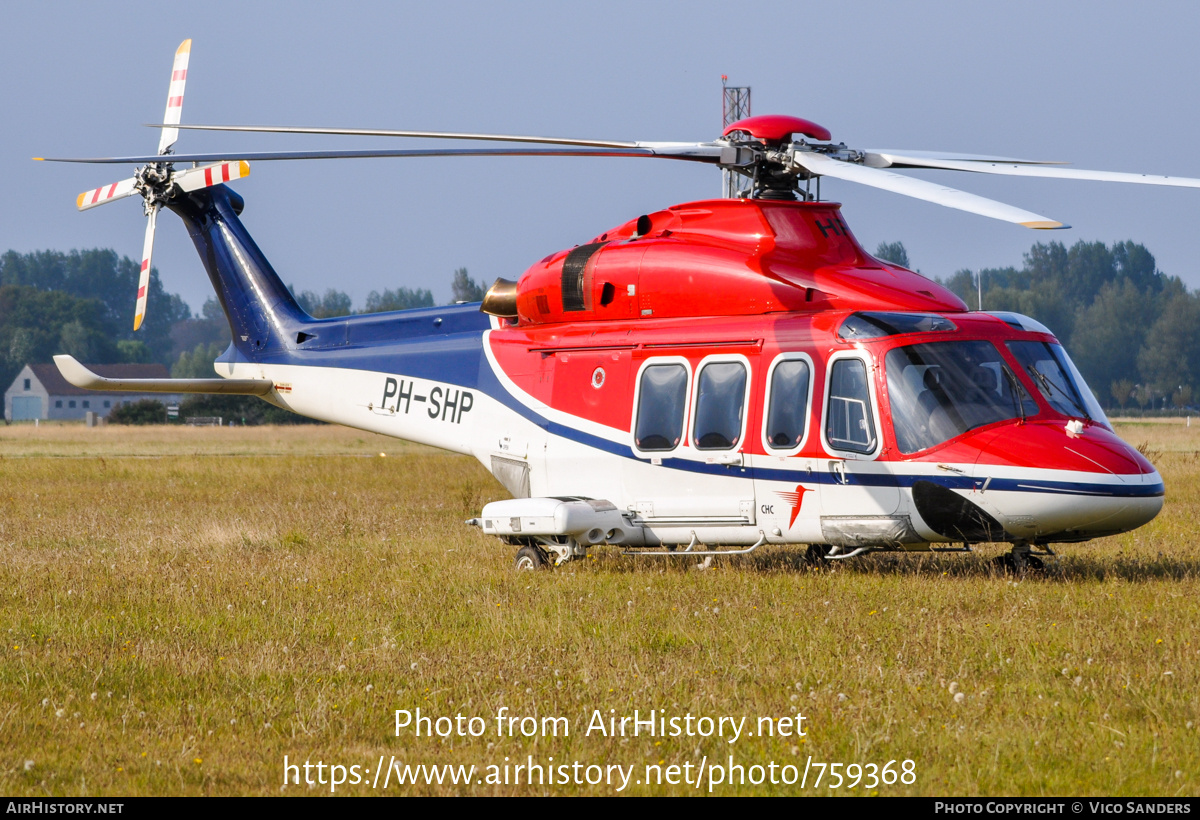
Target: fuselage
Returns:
[569, 412]
[760, 377]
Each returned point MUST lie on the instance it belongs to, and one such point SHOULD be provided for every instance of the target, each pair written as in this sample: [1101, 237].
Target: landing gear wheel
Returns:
[530, 558]
[1006, 563]
[817, 555]
[1017, 562]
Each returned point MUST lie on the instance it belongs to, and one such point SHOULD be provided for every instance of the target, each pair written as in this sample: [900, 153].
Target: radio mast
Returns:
[735, 105]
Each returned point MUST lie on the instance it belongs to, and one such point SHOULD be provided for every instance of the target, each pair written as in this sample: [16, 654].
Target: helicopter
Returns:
[699, 381]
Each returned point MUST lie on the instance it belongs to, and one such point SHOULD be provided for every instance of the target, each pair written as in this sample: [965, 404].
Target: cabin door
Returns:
[860, 495]
[858, 488]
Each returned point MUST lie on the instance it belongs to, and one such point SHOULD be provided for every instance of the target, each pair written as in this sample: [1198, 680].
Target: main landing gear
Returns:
[544, 553]
[530, 558]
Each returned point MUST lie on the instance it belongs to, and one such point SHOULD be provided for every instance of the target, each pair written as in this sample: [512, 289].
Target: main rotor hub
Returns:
[760, 149]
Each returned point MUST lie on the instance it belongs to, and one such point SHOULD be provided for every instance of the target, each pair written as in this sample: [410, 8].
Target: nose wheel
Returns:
[1022, 559]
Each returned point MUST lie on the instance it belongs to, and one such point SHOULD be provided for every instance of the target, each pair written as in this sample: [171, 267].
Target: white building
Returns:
[40, 392]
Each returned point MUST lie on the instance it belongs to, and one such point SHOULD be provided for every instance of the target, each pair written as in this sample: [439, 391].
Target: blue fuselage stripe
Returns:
[458, 358]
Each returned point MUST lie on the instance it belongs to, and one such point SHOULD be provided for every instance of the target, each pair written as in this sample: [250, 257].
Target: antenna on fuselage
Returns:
[735, 105]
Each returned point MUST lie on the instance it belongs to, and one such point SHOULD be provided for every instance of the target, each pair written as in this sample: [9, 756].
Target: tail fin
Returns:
[263, 315]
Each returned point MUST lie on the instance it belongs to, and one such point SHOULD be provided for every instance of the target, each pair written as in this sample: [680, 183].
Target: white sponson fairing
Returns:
[690, 499]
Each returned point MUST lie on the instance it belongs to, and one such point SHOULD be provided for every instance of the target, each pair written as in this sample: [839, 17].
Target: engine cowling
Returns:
[716, 258]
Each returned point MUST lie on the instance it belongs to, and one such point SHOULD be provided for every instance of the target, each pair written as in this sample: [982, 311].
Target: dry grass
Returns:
[177, 624]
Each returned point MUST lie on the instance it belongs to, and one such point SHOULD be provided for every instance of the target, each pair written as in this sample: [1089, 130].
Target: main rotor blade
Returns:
[139, 312]
[373, 132]
[920, 189]
[175, 97]
[903, 158]
[685, 151]
[1008, 168]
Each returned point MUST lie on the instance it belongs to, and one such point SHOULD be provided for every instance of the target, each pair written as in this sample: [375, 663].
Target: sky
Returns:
[1104, 85]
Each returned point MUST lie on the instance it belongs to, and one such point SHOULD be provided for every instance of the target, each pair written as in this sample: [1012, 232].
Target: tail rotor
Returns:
[158, 182]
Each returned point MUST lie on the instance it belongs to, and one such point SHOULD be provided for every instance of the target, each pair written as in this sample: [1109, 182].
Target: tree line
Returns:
[82, 303]
[337, 303]
[1132, 330]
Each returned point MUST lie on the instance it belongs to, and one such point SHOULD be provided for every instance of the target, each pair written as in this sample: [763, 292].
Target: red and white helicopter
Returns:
[731, 372]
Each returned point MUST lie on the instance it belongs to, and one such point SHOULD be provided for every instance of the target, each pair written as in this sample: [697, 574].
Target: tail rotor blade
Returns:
[193, 179]
[144, 280]
[175, 97]
[106, 193]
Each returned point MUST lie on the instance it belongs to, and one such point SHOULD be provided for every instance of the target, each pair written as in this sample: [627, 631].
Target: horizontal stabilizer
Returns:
[80, 376]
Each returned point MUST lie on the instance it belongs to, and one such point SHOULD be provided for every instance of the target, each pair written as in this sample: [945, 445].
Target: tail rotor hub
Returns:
[154, 183]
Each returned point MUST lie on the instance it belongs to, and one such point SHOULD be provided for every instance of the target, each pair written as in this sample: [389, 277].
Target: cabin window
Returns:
[787, 408]
[86, 403]
[58, 403]
[720, 400]
[661, 402]
[71, 403]
[940, 390]
[849, 425]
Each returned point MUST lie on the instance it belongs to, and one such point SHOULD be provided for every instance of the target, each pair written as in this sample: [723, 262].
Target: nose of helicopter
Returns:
[1046, 483]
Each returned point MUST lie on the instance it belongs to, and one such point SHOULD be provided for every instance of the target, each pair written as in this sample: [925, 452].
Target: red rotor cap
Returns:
[778, 127]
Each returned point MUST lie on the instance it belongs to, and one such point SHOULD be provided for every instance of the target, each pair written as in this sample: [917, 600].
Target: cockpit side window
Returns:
[849, 423]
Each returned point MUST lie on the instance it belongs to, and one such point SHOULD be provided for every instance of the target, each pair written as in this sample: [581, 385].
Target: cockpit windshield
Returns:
[1055, 376]
[942, 389]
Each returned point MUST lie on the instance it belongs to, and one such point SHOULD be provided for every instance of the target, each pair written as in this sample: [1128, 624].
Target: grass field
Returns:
[184, 607]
